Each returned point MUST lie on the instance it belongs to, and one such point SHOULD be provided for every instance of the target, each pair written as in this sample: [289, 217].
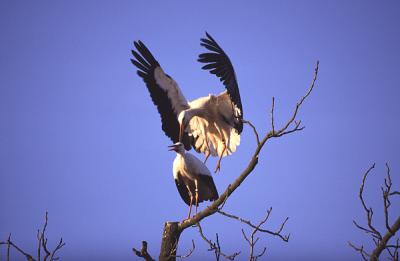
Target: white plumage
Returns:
[210, 124]
[193, 179]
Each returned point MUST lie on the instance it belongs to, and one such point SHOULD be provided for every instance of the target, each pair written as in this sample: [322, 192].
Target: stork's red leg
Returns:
[218, 167]
[191, 201]
[190, 207]
[197, 194]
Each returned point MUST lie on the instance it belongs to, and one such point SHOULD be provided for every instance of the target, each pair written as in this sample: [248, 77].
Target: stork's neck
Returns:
[180, 153]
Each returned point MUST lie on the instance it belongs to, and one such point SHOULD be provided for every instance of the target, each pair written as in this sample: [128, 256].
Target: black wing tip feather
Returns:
[218, 63]
[145, 62]
[143, 56]
[209, 37]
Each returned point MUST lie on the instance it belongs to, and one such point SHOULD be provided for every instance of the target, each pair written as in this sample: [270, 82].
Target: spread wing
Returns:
[218, 63]
[164, 92]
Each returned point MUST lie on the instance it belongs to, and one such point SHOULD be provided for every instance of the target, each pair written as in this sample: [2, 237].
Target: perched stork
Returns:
[192, 178]
[210, 124]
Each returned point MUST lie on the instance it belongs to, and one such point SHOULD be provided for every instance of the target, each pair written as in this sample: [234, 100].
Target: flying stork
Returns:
[210, 124]
[192, 178]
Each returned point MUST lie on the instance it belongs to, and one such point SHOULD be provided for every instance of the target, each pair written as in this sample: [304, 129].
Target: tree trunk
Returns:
[169, 243]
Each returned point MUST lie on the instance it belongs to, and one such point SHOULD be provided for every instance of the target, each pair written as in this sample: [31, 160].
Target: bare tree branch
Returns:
[188, 254]
[395, 254]
[272, 115]
[143, 252]
[381, 242]
[42, 243]
[254, 130]
[361, 250]
[216, 247]
[291, 120]
[39, 238]
[58, 247]
[44, 239]
[247, 222]
[253, 242]
[8, 247]
[368, 211]
[10, 244]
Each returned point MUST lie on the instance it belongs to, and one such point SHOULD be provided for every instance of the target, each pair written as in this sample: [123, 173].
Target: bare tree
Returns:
[173, 230]
[42, 246]
[381, 239]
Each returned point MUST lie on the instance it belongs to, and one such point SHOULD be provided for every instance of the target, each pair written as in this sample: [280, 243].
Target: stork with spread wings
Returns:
[212, 124]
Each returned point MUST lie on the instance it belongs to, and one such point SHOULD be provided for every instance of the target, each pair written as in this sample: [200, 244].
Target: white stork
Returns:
[211, 124]
[192, 178]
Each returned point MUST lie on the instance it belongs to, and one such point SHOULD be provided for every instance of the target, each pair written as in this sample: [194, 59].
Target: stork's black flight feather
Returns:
[218, 63]
[146, 64]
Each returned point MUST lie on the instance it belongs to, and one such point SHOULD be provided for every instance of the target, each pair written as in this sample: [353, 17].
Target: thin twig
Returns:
[8, 247]
[381, 242]
[44, 239]
[42, 243]
[301, 100]
[369, 211]
[272, 115]
[216, 247]
[361, 250]
[254, 130]
[58, 247]
[261, 254]
[247, 222]
[10, 244]
[39, 238]
[385, 196]
[253, 242]
[188, 254]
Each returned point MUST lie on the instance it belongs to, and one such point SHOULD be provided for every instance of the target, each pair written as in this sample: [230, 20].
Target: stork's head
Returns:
[177, 147]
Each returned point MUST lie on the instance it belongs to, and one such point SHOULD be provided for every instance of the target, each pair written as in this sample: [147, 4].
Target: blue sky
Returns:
[80, 137]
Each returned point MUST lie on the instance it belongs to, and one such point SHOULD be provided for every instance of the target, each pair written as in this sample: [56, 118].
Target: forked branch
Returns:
[380, 239]
[258, 228]
[216, 247]
[252, 242]
[42, 244]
